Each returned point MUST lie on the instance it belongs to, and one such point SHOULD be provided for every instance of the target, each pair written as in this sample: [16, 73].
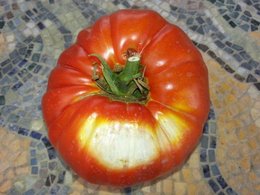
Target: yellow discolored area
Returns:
[86, 131]
[173, 127]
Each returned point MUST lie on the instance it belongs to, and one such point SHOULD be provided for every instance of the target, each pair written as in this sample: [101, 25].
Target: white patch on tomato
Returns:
[123, 145]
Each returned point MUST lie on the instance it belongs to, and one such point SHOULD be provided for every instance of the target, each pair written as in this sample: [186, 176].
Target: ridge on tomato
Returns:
[127, 102]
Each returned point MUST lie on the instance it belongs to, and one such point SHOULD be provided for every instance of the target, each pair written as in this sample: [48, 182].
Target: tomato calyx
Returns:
[126, 83]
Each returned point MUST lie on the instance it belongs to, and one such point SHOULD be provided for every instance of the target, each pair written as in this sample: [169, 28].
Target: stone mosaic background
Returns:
[34, 33]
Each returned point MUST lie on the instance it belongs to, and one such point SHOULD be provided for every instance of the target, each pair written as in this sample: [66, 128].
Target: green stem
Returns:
[128, 85]
[131, 70]
[109, 75]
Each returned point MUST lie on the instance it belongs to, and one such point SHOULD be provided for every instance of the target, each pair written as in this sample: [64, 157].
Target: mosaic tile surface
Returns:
[227, 32]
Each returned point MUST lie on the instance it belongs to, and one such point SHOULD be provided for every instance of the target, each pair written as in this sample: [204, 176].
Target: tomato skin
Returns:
[118, 143]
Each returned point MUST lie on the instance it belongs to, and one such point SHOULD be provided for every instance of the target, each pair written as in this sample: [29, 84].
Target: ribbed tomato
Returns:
[127, 102]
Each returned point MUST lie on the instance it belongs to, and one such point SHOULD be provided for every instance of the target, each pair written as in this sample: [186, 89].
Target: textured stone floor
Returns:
[34, 33]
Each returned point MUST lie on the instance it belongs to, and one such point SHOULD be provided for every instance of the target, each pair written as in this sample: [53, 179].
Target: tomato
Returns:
[131, 125]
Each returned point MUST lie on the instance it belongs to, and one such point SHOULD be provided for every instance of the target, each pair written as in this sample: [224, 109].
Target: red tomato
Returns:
[120, 142]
